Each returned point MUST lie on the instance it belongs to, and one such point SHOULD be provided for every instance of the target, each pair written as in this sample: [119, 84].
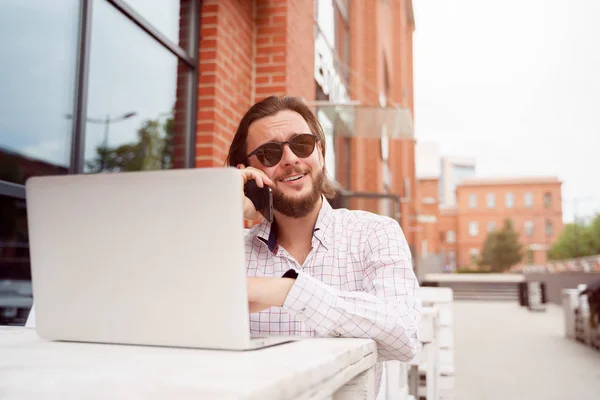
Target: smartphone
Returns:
[261, 197]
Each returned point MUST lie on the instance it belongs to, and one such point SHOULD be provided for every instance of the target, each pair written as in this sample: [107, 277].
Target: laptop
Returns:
[147, 258]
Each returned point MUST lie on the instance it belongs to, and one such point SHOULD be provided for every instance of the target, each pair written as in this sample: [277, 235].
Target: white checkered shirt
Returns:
[357, 281]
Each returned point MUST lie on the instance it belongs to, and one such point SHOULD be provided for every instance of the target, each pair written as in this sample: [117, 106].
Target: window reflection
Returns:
[38, 43]
[162, 15]
[132, 97]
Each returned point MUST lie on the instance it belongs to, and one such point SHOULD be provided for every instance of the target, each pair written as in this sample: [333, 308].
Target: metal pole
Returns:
[105, 143]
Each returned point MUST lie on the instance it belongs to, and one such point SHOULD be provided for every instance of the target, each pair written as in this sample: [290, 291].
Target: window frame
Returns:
[475, 231]
[490, 200]
[528, 199]
[472, 200]
[529, 228]
[508, 195]
[450, 237]
[547, 199]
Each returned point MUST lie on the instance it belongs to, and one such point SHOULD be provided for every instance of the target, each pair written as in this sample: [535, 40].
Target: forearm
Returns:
[392, 322]
[264, 292]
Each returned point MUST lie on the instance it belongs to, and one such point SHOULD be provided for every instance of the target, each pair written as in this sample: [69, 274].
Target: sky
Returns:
[516, 85]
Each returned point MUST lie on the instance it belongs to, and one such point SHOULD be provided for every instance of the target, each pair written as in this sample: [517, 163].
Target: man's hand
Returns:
[249, 173]
[266, 291]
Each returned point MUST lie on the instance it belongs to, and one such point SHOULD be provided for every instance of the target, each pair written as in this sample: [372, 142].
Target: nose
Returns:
[288, 157]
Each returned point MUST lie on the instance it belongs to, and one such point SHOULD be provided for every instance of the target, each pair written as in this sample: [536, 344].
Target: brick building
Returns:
[533, 204]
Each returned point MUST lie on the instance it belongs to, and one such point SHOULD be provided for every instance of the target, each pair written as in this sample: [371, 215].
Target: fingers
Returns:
[252, 173]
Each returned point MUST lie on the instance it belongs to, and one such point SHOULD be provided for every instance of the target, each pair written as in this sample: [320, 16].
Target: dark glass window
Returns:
[163, 15]
[38, 43]
[132, 96]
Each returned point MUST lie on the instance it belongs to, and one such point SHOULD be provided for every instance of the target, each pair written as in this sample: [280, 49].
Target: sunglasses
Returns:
[270, 153]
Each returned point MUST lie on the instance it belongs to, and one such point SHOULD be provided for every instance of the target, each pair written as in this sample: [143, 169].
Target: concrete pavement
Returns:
[503, 351]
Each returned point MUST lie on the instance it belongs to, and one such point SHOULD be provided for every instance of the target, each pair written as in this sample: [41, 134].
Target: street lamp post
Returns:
[107, 121]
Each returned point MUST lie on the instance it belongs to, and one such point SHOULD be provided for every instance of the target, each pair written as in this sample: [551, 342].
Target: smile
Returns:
[293, 178]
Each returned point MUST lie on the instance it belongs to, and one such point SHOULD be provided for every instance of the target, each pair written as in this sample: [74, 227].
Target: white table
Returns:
[33, 368]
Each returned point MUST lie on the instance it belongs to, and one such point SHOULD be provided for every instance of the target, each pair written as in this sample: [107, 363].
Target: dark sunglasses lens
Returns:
[303, 145]
[269, 154]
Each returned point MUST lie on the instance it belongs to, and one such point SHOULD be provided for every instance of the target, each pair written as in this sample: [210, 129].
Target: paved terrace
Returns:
[503, 351]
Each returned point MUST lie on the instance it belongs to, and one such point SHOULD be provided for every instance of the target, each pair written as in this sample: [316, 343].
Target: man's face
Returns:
[294, 198]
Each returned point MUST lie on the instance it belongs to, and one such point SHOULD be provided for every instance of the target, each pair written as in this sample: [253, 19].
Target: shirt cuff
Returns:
[312, 301]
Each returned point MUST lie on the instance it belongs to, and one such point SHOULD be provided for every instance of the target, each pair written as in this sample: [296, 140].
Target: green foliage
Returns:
[152, 151]
[577, 240]
[501, 249]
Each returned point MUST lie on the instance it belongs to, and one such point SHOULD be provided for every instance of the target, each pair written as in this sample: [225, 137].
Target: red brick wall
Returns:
[300, 49]
[249, 50]
[271, 47]
[225, 77]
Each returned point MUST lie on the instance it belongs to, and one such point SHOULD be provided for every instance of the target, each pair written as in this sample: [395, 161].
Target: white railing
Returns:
[430, 374]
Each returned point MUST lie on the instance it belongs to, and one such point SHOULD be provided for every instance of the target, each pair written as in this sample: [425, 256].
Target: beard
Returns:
[299, 207]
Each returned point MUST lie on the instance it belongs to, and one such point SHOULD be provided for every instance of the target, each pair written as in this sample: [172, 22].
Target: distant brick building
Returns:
[533, 204]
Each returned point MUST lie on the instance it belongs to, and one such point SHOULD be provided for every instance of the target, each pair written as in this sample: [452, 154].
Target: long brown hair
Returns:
[268, 107]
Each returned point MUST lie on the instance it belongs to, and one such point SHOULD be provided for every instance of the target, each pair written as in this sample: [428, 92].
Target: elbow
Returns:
[405, 353]
[410, 352]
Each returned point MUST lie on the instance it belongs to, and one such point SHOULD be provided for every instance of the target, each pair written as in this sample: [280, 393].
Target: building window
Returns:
[547, 199]
[450, 237]
[473, 228]
[474, 255]
[472, 201]
[528, 200]
[549, 228]
[529, 257]
[491, 227]
[529, 228]
[491, 200]
[452, 258]
[509, 200]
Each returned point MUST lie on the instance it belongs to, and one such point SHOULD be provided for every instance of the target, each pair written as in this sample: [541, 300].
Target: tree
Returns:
[152, 151]
[577, 240]
[501, 249]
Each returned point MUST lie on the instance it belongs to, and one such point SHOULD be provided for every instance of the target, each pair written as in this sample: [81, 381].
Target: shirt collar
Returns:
[267, 232]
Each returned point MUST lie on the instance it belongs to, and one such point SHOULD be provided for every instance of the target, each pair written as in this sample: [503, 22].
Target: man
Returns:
[317, 271]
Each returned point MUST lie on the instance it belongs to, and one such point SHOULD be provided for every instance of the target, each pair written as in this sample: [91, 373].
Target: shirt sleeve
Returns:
[386, 310]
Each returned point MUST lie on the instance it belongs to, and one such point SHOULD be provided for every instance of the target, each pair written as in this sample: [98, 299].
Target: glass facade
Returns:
[38, 44]
[95, 86]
